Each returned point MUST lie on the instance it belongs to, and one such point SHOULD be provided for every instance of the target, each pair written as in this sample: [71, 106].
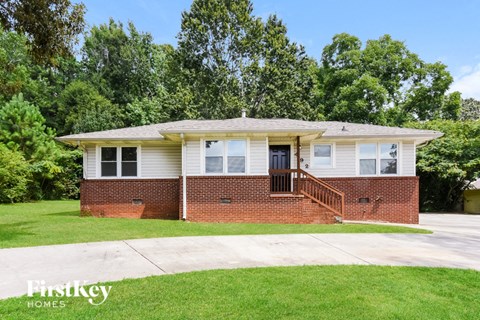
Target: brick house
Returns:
[252, 170]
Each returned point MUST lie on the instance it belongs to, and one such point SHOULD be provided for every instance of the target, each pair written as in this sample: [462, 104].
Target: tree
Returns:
[148, 111]
[83, 109]
[286, 83]
[123, 66]
[470, 109]
[448, 165]
[14, 175]
[51, 26]
[46, 85]
[23, 130]
[14, 64]
[230, 60]
[41, 85]
[383, 80]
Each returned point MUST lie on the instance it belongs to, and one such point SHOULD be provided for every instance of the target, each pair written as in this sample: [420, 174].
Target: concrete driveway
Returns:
[454, 243]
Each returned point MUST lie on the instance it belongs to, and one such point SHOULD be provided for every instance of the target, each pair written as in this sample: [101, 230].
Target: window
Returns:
[388, 158]
[214, 156]
[119, 161]
[368, 158]
[129, 162]
[109, 162]
[236, 156]
[322, 155]
[372, 154]
[225, 156]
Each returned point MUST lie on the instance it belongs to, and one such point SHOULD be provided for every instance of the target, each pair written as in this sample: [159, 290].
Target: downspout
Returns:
[184, 178]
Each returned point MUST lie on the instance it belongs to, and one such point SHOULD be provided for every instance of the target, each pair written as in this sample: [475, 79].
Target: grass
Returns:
[59, 222]
[314, 292]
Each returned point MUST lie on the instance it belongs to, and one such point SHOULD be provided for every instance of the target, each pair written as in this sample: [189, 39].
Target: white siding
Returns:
[161, 161]
[258, 156]
[193, 157]
[91, 165]
[344, 160]
[408, 159]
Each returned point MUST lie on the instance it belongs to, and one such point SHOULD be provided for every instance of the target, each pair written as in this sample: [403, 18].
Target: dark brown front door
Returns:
[280, 159]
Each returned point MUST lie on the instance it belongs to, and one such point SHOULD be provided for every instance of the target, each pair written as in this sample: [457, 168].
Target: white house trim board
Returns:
[415, 158]
[85, 163]
[184, 178]
[267, 158]
[247, 157]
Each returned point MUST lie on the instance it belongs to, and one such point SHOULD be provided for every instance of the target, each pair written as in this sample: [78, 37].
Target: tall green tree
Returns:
[83, 109]
[52, 26]
[383, 83]
[229, 60]
[41, 85]
[123, 64]
[470, 109]
[14, 175]
[23, 130]
[447, 165]
[149, 110]
[14, 64]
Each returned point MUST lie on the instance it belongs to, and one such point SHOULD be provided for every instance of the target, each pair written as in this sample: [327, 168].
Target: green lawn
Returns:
[325, 292]
[59, 222]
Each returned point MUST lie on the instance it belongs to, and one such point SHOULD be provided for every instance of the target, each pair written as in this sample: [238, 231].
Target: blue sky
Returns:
[447, 31]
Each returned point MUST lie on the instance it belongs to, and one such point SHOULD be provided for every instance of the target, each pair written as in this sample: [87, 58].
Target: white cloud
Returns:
[468, 82]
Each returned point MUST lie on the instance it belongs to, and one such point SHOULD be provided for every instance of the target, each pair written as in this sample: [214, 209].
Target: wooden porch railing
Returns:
[298, 181]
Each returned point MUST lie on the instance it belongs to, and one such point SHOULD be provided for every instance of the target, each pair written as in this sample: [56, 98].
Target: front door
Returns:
[280, 159]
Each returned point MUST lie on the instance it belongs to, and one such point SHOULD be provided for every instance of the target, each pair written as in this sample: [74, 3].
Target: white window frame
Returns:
[98, 157]
[378, 158]
[332, 155]
[225, 157]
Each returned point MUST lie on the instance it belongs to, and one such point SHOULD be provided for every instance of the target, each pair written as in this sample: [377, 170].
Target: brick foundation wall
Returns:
[250, 202]
[392, 199]
[114, 198]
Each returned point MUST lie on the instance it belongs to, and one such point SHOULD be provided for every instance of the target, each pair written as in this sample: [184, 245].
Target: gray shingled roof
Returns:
[330, 129]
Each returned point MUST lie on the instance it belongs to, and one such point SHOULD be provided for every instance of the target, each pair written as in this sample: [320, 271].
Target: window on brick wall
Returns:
[119, 162]
[378, 158]
[225, 156]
